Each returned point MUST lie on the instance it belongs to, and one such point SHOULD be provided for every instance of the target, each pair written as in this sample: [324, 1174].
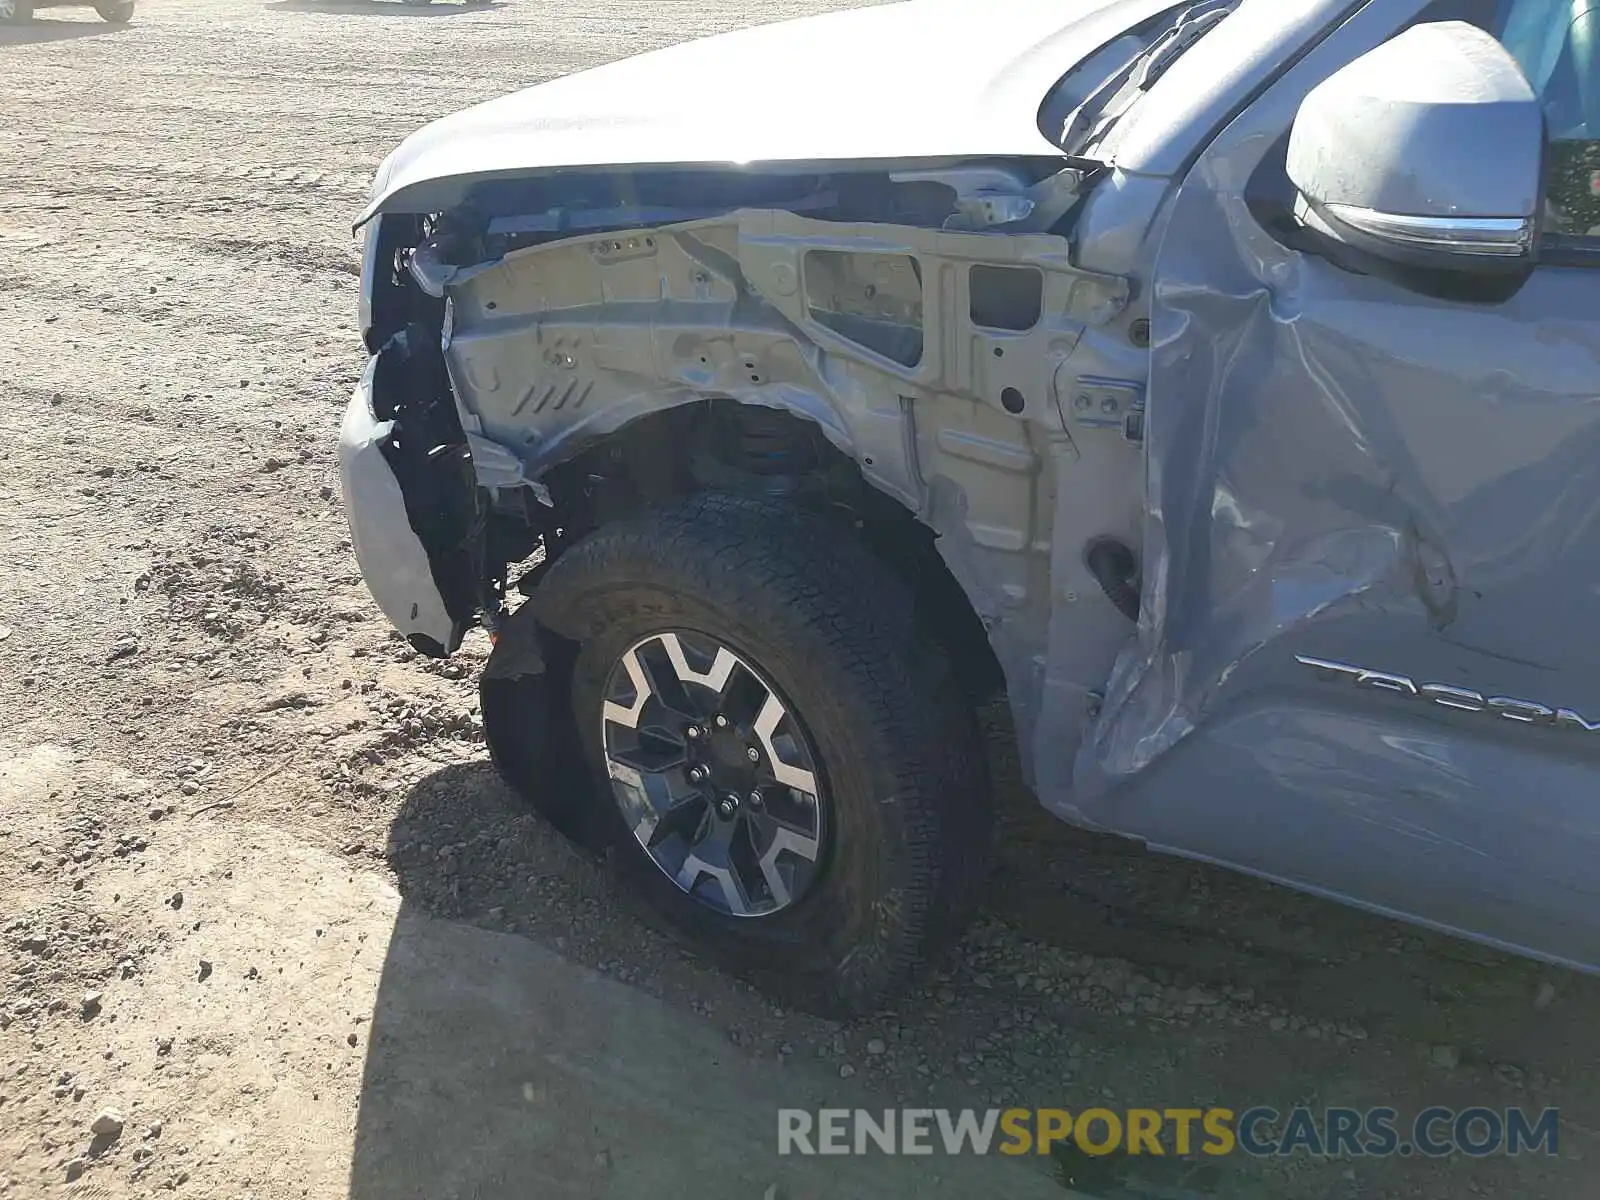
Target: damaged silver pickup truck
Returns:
[1220, 381]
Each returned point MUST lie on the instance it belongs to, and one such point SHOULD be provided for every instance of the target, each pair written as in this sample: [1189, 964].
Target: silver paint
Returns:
[1336, 469]
[1347, 470]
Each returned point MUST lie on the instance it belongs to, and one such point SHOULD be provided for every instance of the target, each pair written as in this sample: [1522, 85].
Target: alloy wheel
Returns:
[714, 773]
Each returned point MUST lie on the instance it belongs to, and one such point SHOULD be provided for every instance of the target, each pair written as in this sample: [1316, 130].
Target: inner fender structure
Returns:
[975, 378]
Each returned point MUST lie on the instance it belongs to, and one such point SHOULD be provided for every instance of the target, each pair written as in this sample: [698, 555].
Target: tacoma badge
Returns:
[1525, 712]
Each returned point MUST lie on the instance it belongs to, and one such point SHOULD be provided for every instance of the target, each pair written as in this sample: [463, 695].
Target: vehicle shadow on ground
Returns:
[384, 8]
[42, 29]
[530, 1011]
[1110, 897]
[500, 1065]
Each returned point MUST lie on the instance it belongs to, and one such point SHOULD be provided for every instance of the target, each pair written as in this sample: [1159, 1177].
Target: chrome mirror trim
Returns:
[1496, 237]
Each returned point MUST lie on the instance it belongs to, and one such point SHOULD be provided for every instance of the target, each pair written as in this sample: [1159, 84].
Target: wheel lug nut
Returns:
[698, 774]
[727, 806]
[694, 733]
[752, 754]
[721, 721]
[755, 799]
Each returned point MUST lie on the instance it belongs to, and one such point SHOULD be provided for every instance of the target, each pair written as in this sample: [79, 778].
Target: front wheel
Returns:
[782, 762]
[118, 12]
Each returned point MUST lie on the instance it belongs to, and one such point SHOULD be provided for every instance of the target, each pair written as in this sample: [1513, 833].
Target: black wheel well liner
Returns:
[723, 445]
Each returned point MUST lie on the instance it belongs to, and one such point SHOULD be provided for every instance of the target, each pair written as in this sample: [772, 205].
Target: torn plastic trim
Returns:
[396, 566]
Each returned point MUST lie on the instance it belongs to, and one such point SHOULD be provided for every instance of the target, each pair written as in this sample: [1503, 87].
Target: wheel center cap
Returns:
[726, 755]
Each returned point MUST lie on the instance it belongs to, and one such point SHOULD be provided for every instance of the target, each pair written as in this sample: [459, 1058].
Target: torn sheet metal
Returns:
[943, 363]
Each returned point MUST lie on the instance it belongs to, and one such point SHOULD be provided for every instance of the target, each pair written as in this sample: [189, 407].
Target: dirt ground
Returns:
[264, 898]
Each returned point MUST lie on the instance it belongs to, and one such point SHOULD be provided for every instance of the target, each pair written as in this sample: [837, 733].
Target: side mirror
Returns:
[1425, 154]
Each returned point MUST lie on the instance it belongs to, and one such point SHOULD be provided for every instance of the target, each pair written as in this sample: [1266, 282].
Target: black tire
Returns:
[834, 631]
[118, 12]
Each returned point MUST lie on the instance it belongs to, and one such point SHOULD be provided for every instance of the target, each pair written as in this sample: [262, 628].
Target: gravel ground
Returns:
[195, 692]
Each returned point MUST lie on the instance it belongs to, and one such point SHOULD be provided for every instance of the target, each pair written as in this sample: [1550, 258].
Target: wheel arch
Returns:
[789, 452]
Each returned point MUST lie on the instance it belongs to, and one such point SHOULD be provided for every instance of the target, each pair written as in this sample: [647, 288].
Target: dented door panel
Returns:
[1348, 472]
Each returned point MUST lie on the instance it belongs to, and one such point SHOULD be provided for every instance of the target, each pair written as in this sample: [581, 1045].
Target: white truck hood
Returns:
[921, 81]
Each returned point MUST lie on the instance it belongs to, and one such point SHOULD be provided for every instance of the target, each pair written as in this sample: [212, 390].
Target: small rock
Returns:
[5, 632]
[176, 901]
[205, 970]
[351, 1039]
[274, 464]
[108, 1124]
[90, 1004]
[75, 1168]
[163, 1047]
[1545, 996]
[1446, 1056]
[876, 1046]
[189, 787]
[123, 648]
[846, 1071]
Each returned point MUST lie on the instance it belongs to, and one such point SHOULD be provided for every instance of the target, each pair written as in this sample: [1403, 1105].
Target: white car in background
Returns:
[14, 12]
